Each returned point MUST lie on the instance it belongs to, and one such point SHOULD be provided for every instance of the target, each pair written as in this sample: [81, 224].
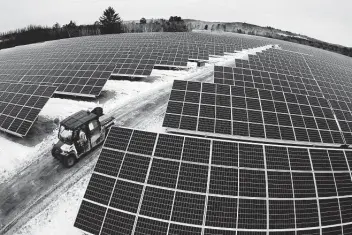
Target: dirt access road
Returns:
[30, 191]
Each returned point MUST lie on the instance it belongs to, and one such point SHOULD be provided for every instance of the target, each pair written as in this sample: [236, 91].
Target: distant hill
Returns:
[235, 26]
[270, 32]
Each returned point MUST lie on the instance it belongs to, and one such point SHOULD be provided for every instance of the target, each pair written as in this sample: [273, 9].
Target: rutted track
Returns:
[29, 192]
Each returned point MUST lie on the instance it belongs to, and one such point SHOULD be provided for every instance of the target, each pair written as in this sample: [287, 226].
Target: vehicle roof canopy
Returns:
[78, 119]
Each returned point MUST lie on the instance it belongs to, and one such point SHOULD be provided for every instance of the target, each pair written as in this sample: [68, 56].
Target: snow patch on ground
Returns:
[8, 163]
[293, 36]
[15, 156]
[242, 55]
[59, 216]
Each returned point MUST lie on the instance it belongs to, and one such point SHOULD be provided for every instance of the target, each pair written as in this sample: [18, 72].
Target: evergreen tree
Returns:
[110, 22]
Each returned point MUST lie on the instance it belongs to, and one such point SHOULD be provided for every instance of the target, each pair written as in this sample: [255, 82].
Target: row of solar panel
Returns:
[137, 173]
[243, 111]
[224, 181]
[340, 107]
[188, 210]
[20, 105]
[332, 81]
[266, 80]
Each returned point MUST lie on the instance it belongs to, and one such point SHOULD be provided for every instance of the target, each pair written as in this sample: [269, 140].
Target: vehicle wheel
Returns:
[69, 161]
[55, 152]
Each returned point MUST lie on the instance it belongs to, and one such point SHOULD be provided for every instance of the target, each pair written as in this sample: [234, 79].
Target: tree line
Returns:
[109, 23]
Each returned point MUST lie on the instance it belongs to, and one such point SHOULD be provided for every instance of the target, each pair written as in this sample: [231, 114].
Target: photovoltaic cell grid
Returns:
[280, 61]
[136, 66]
[148, 183]
[173, 57]
[80, 79]
[298, 73]
[104, 50]
[335, 83]
[266, 80]
[224, 110]
[20, 105]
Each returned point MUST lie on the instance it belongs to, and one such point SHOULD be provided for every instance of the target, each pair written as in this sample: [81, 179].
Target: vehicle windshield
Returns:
[65, 135]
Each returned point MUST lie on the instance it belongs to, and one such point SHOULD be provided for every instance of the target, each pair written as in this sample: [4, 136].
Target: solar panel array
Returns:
[235, 111]
[148, 183]
[296, 73]
[81, 66]
[20, 105]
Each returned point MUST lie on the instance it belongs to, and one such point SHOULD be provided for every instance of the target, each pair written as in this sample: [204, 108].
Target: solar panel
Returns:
[134, 66]
[237, 111]
[154, 183]
[173, 57]
[20, 105]
[267, 80]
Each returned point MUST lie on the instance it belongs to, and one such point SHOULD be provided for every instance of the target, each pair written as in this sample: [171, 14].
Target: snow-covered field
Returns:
[59, 216]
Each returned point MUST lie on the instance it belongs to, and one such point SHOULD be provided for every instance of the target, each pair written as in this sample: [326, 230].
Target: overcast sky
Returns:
[328, 20]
